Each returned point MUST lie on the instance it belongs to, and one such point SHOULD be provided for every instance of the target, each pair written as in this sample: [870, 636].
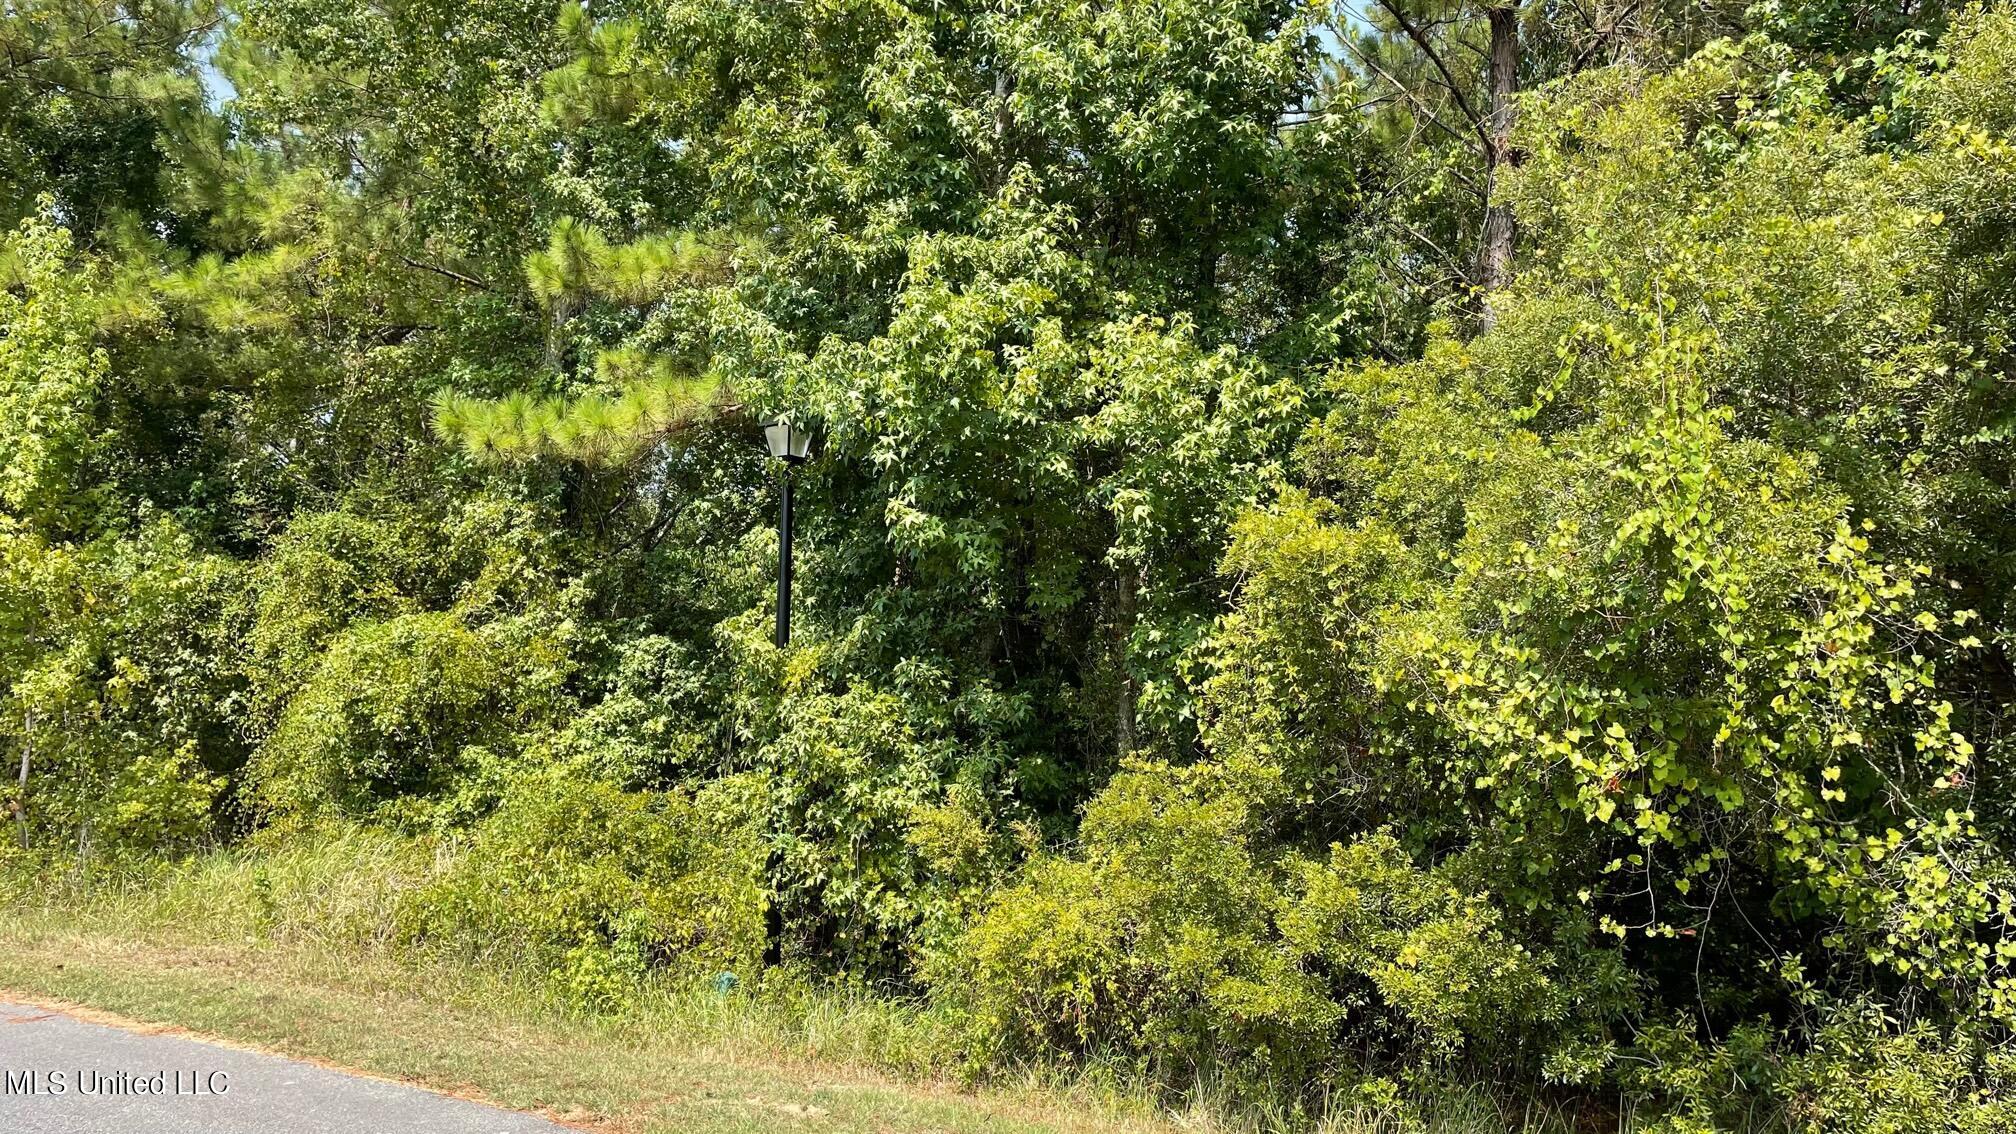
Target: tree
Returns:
[92, 96]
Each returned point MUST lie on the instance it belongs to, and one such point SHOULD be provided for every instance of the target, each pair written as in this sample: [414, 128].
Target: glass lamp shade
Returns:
[787, 441]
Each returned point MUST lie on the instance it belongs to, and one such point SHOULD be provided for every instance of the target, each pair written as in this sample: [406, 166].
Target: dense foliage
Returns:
[1248, 629]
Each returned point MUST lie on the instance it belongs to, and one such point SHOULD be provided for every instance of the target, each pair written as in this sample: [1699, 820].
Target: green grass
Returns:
[293, 951]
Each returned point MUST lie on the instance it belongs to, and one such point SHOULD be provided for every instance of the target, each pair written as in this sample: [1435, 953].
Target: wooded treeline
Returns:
[1340, 541]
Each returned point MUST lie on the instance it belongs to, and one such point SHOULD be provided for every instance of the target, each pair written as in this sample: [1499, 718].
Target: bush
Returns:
[1178, 940]
[326, 572]
[1155, 945]
[405, 658]
[651, 724]
[1441, 959]
[388, 712]
[114, 688]
[600, 888]
[1864, 1073]
[375, 560]
[882, 800]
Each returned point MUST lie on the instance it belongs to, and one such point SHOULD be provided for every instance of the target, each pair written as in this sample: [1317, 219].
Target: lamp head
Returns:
[788, 442]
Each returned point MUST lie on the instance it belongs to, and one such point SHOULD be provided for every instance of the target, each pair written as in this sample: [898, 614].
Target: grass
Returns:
[292, 951]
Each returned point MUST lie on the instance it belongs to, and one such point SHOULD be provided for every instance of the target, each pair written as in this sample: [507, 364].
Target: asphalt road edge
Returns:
[103, 1018]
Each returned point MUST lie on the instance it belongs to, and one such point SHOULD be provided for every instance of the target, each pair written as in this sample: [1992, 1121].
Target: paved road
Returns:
[60, 1075]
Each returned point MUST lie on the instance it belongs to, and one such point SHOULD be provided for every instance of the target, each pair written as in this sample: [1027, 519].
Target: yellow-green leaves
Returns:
[51, 371]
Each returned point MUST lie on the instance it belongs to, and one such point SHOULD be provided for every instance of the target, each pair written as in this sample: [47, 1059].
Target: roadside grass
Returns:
[294, 950]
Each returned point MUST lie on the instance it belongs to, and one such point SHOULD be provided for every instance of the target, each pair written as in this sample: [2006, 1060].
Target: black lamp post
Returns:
[791, 445]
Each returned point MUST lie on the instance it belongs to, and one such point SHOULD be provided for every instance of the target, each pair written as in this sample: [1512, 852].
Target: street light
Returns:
[791, 445]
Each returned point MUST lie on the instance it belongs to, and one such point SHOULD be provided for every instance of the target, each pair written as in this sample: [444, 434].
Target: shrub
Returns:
[1441, 959]
[1864, 1073]
[388, 712]
[874, 790]
[1177, 939]
[326, 572]
[113, 688]
[599, 887]
[1155, 945]
[651, 723]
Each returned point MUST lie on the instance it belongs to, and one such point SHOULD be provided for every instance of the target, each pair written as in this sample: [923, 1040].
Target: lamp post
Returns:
[791, 445]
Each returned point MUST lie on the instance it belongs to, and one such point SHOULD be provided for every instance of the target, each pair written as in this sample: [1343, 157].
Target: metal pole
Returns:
[784, 565]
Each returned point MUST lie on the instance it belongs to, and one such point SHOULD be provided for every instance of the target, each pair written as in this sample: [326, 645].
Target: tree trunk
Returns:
[1127, 699]
[1004, 118]
[1004, 85]
[21, 795]
[1494, 253]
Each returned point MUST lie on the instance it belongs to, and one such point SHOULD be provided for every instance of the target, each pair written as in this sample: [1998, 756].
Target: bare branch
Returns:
[450, 273]
[1424, 111]
[1435, 58]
